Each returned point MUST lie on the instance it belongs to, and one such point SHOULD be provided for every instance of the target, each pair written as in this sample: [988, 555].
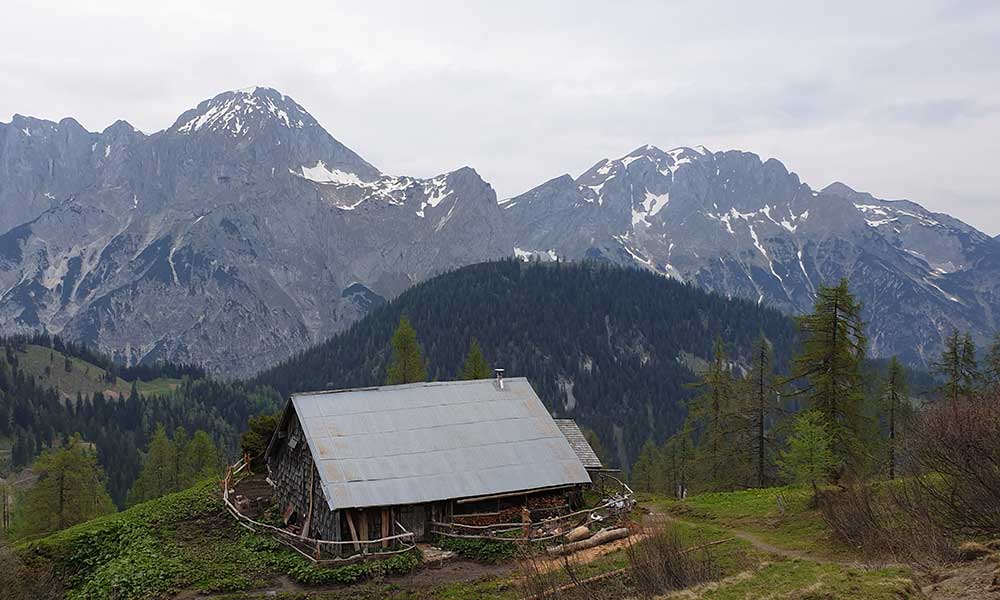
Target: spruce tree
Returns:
[475, 366]
[407, 362]
[70, 489]
[828, 370]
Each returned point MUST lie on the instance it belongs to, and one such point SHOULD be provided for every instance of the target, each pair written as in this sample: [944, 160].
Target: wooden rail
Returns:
[310, 548]
[611, 509]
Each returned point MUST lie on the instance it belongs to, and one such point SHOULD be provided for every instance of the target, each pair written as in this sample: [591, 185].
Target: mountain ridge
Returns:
[240, 234]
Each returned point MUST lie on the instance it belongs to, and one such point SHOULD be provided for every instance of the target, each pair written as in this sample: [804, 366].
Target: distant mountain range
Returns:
[245, 232]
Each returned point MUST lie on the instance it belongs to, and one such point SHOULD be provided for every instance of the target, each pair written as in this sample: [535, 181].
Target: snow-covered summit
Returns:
[242, 112]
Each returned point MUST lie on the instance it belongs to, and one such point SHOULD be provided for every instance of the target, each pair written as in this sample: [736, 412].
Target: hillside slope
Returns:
[50, 390]
[608, 346]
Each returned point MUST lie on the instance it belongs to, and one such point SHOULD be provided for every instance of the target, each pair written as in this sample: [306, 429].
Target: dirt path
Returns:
[963, 581]
[654, 517]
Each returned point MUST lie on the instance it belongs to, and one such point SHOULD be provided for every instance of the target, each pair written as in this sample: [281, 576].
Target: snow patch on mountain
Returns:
[320, 173]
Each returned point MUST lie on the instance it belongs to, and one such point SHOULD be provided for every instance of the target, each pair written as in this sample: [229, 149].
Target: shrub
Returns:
[488, 551]
[886, 525]
[661, 562]
[954, 462]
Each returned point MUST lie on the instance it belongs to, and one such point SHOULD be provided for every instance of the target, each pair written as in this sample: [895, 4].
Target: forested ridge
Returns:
[35, 416]
[617, 349]
[611, 347]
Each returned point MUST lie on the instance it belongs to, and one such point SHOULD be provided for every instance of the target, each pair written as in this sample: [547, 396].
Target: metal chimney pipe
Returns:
[499, 373]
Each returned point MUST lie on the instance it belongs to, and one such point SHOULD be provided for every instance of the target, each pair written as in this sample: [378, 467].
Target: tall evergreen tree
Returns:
[475, 366]
[407, 362]
[828, 370]
[896, 407]
[70, 489]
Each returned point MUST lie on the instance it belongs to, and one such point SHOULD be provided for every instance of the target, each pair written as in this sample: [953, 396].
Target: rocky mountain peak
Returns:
[244, 112]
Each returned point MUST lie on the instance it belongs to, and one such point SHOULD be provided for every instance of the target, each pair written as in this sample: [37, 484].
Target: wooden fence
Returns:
[611, 510]
[317, 551]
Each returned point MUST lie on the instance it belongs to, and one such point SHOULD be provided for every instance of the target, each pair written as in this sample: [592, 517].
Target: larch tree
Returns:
[645, 474]
[711, 417]
[407, 362]
[958, 367]
[762, 408]
[181, 469]
[896, 407]
[70, 489]
[159, 471]
[677, 456]
[475, 366]
[201, 460]
[970, 366]
[809, 458]
[828, 370]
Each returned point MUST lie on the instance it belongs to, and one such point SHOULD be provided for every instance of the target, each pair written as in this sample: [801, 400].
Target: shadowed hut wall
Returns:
[290, 467]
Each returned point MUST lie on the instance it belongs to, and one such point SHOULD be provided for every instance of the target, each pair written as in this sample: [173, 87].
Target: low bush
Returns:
[954, 464]
[662, 562]
[885, 524]
[489, 551]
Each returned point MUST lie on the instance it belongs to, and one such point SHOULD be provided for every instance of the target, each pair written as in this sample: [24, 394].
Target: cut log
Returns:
[578, 534]
[599, 538]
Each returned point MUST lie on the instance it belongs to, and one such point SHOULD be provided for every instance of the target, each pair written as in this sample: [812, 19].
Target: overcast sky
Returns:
[901, 99]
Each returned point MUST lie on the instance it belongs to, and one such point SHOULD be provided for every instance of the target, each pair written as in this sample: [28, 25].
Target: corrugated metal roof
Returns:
[579, 443]
[408, 444]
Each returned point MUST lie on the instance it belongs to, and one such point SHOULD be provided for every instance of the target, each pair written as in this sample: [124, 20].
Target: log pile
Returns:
[601, 537]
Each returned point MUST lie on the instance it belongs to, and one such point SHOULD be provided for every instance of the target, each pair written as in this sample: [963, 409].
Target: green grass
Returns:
[801, 528]
[181, 541]
[49, 368]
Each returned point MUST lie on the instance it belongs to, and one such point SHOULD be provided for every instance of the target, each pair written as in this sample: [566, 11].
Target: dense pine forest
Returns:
[614, 348]
[119, 419]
